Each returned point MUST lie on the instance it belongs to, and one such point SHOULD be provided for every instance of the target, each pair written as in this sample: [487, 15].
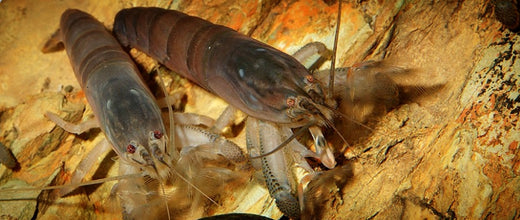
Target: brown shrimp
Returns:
[254, 77]
[124, 107]
[116, 93]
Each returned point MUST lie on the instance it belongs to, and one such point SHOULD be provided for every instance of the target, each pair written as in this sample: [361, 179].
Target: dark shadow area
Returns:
[365, 93]
[236, 216]
[7, 158]
[508, 13]
[357, 130]
[101, 171]
[90, 135]
[323, 187]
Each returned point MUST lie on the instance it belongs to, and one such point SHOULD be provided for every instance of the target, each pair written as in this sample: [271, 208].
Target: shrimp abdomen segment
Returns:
[250, 75]
[88, 44]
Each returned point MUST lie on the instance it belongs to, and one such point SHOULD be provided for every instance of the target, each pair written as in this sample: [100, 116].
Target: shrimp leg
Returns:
[312, 55]
[72, 128]
[261, 137]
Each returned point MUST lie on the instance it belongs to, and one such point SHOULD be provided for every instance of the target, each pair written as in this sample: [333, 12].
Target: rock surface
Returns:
[452, 153]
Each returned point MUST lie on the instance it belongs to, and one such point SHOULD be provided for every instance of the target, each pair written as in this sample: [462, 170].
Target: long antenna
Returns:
[172, 134]
[334, 50]
[283, 144]
[73, 185]
[170, 114]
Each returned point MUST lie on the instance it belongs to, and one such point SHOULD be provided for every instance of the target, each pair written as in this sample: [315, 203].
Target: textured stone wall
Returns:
[450, 152]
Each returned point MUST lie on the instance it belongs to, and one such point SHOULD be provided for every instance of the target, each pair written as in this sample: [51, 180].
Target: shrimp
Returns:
[124, 108]
[117, 95]
[261, 81]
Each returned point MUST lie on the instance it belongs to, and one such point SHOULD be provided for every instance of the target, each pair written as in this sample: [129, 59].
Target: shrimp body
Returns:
[132, 122]
[124, 107]
[252, 76]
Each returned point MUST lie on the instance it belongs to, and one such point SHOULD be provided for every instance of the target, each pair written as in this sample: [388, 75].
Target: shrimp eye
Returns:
[309, 78]
[130, 148]
[157, 134]
[290, 102]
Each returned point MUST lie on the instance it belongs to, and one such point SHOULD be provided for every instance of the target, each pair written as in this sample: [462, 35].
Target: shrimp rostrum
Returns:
[274, 89]
[127, 113]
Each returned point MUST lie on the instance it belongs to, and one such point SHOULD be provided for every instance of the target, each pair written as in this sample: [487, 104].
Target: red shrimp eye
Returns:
[157, 134]
[309, 78]
[130, 148]
[290, 102]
